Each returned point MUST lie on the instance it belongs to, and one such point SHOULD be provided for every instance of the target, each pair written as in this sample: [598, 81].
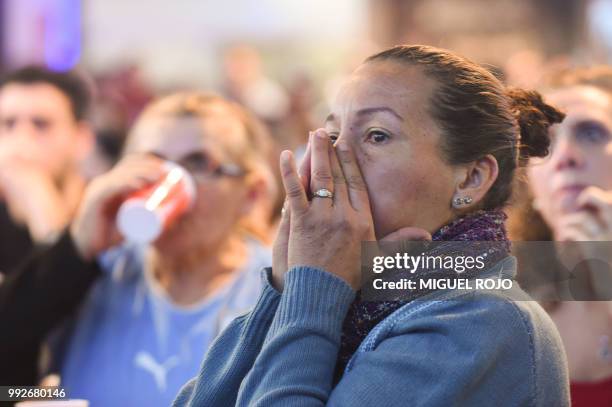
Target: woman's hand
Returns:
[327, 232]
[281, 243]
[591, 224]
[94, 228]
[593, 221]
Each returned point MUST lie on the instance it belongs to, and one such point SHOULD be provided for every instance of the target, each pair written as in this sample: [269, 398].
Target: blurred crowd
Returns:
[78, 302]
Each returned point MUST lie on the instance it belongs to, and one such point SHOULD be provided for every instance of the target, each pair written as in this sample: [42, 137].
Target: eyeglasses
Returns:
[202, 166]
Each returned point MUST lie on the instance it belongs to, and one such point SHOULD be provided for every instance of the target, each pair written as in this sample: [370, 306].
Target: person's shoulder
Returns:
[122, 263]
[507, 327]
[492, 342]
[247, 285]
[260, 256]
[499, 314]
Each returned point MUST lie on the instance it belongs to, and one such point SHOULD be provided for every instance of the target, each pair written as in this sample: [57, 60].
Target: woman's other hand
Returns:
[281, 243]
[591, 229]
[326, 232]
[94, 228]
[593, 220]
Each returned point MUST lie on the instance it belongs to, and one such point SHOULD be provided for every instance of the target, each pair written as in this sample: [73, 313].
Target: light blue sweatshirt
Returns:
[131, 345]
[447, 348]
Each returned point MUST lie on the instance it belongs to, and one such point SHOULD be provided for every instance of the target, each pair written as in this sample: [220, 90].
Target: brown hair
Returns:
[202, 105]
[478, 115]
[599, 76]
[74, 85]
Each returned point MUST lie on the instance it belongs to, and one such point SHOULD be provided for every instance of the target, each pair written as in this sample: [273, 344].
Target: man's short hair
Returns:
[70, 84]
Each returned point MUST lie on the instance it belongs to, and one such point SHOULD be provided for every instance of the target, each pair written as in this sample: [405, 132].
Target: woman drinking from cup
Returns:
[139, 334]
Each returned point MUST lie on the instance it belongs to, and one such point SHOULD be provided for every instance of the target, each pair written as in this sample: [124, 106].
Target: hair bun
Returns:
[534, 117]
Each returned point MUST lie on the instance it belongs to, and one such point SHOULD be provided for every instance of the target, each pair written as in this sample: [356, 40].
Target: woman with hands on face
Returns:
[325, 228]
[572, 194]
[421, 144]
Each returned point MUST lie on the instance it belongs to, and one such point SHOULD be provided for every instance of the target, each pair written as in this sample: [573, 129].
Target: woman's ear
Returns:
[257, 208]
[474, 181]
[256, 188]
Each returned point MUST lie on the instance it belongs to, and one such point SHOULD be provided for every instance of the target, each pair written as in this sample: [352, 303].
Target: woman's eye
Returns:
[591, 132]
[196, 162]
[7, 124]
[333, 137]
[378, 136]
[41, 124]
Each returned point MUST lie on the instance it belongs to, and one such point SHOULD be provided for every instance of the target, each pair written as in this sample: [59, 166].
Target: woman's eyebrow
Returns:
[385, 109]
[157, 154]
[590, 122]
[369, 111]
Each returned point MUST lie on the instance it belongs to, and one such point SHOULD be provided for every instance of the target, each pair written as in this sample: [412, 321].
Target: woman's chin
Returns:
[171, 239]
[164, 245]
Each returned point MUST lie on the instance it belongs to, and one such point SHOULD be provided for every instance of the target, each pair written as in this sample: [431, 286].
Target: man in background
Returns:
[44, 135]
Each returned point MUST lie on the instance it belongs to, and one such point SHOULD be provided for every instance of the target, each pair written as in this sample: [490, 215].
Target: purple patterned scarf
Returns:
[363, 316]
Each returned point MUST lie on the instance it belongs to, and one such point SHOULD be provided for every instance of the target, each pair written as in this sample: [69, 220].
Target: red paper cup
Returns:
[147, 213]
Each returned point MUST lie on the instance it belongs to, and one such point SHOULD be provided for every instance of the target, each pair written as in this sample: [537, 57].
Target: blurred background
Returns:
[282, 58]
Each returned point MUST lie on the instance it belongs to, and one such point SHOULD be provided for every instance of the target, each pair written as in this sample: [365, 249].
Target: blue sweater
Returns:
[448, 348]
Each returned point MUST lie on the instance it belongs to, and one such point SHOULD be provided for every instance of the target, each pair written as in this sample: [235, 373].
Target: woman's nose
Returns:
[342, 136]
[567, 154]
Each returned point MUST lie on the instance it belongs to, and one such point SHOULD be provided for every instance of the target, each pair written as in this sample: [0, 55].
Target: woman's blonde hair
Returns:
[256, 157]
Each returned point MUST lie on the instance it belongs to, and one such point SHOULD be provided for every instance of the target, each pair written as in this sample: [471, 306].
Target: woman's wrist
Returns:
[315, 299]
[276, 280]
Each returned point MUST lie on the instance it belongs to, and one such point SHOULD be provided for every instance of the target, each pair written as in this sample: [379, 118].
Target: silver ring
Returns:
[323, 193]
